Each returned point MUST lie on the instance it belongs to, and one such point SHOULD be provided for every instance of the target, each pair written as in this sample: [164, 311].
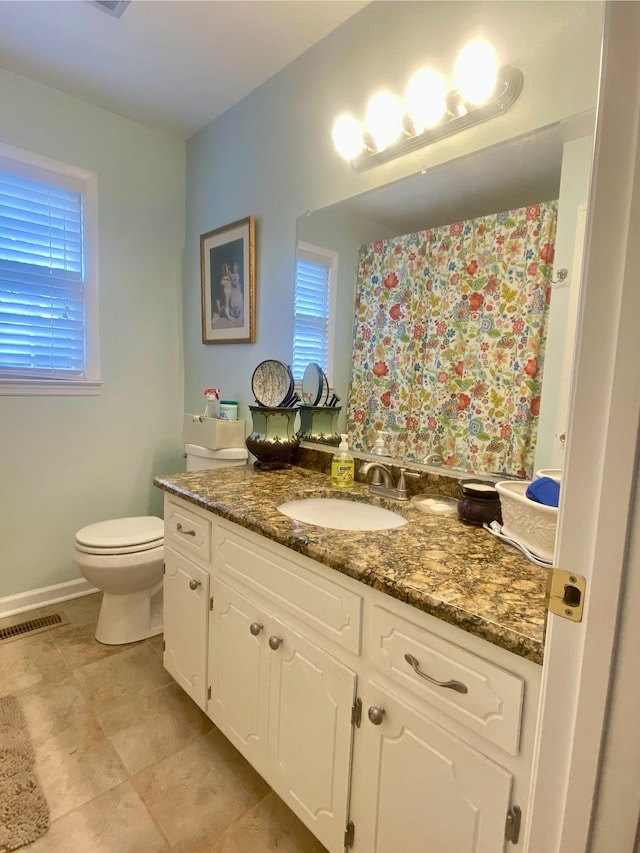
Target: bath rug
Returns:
[24, 813]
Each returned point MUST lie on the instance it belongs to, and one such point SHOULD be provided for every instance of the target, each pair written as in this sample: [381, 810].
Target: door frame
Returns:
[595, 519]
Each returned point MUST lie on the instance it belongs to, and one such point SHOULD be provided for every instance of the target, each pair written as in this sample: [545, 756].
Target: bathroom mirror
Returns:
[510, 175]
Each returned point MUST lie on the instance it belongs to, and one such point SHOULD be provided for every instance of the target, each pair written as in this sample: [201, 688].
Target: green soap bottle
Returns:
[342, 466]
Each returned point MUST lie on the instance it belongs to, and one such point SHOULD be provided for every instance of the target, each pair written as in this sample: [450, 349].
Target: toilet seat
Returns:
[121, 536]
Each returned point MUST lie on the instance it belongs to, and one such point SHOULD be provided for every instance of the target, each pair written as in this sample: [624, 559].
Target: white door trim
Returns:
[604, 416]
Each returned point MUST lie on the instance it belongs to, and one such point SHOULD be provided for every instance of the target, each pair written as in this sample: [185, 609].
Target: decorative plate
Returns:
[271, 383]
[312, 384]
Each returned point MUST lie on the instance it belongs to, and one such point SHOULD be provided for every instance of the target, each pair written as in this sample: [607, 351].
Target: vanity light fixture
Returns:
[429, 112]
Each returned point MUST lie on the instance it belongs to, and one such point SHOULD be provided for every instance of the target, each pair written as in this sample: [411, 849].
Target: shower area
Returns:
[449, 341]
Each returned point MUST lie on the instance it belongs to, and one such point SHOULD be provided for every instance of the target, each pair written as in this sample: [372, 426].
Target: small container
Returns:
[228, 410]
[480, 502]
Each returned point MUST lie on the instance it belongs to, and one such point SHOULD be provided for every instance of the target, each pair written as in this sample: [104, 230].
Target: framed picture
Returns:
[228, 270]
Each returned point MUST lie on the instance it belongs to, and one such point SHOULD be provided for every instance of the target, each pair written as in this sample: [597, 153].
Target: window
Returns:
[313, 322]
[48, 282]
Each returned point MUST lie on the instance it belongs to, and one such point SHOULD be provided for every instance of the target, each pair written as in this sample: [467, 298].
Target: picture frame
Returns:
[228, 283]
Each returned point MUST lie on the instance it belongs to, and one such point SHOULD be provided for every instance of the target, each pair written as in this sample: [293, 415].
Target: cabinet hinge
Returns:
[164, 568]
[209, 692]
[565, 594]
[211, 603]
[512, 825]
[349, 834]
[164, 645]
[356, 713]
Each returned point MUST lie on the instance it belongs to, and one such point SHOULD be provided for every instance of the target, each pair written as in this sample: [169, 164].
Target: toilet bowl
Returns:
[124, 558]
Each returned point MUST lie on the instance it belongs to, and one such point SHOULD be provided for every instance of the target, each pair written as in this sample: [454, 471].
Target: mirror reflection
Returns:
[552, 163]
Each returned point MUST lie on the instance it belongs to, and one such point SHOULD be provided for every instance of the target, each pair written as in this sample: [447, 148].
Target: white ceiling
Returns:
[173, 65]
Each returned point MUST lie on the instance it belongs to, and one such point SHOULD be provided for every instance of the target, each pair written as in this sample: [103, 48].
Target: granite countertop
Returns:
[456, 572]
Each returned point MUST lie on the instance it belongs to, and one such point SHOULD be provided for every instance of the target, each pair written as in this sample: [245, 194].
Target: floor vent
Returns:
[32, 626]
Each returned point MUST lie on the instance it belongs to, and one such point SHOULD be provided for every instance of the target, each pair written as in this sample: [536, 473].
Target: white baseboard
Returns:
[12, 604]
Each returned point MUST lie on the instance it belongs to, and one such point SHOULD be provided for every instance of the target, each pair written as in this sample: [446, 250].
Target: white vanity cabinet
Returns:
[285, 703]
[187, 559]
[423, 777]
[422, 788]
[384, 729]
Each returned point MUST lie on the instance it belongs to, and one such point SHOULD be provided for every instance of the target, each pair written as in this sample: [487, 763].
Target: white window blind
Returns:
[312, 310]
[42, 310]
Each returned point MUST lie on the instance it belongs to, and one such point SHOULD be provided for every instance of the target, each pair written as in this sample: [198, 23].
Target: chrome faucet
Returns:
[382, 481]
[433, 459]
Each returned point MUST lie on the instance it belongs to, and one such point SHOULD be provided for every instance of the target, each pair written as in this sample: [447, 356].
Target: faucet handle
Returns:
[402, 483]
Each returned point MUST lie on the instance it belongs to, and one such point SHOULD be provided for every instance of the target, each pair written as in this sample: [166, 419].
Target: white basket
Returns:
[527, 522]
[213, 433]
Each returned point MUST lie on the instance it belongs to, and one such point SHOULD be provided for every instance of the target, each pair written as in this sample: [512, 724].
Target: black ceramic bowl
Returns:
[480, 502]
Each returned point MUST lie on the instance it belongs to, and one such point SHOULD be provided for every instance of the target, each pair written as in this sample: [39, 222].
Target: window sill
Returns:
[50, 387]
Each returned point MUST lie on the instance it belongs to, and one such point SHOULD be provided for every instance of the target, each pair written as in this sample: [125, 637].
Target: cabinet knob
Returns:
[376, 715]
[194, 584]
[255, 628]
[275, 642]
[184, 532]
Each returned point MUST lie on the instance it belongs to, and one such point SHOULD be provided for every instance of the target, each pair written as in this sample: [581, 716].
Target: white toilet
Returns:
[204, 458]
[124, 558]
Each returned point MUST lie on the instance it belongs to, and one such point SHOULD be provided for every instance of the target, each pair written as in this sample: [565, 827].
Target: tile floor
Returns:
[128, 763]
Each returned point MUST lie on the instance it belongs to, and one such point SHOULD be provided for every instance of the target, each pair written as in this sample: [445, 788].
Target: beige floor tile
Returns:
[28, 662]
[156, 644]
[197, 793]
[115, 822]
[117, 678]
[76, 764]
[154, 726]
[83, 610]
[49, 708]
[269, 826]
[78, 646]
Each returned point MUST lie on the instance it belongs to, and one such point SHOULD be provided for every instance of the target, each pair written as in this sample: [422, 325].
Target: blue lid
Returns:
[544, 491]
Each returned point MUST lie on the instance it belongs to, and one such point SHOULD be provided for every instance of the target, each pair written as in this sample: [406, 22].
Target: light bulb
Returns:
[347, 136]
[426, 98]
[476, 71]
[384, 119]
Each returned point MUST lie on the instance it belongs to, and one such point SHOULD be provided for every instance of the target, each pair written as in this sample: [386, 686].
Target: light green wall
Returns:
[272, 155]
[69, 461]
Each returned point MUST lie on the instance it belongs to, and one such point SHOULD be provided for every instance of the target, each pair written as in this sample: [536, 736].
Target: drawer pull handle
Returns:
[184, 532]
[376, 715]
[458, 686]
[255, 628]
[275, 642]
[194, 584]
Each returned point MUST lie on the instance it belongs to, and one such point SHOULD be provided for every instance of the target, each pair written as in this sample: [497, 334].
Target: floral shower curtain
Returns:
[449, 340]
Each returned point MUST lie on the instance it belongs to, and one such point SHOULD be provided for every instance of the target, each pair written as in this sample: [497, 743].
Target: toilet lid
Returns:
[118, 533]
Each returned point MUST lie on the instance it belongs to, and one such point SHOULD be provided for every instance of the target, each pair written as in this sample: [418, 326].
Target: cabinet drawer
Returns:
[492, 703]
[187, 532]
[316, 601]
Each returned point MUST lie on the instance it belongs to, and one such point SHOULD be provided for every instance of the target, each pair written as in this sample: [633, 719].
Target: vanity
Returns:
[384, 683]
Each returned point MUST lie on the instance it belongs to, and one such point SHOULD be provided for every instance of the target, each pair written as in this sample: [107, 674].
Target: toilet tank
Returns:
[203, 459]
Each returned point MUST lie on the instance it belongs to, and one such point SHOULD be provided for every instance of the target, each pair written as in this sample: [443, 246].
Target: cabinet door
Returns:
[239, 672]
[310, 733]
[186, 603]
[416, 787]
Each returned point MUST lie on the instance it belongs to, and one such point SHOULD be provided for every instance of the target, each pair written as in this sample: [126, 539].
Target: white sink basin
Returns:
[341, 514]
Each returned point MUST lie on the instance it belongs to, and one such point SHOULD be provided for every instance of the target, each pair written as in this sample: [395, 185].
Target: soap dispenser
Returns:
[378, 447]
[342, 466]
